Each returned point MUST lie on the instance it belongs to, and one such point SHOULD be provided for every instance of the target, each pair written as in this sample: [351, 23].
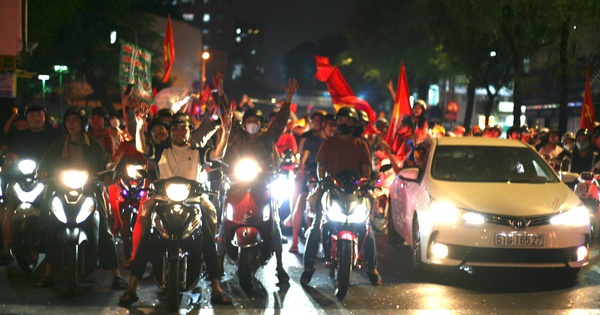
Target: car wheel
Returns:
[393, 236]
[418, 264]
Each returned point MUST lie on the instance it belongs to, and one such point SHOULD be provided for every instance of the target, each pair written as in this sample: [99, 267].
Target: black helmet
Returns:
[348, 112]
[181, 119]
[421, 103]
[318, 112]
[101, 111]
[251, 112]
[584, 132]
[81, 112]
[165, 113]
[363, 116]
[158, 121]
[34, 108]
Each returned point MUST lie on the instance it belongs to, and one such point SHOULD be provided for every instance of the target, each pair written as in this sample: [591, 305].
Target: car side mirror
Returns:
[568, 177]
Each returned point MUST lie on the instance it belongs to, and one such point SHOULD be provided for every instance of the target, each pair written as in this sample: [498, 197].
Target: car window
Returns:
[490, 164]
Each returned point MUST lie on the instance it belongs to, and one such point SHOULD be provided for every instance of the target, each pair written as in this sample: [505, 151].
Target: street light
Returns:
[60, 69]
[205, 56]
[43, 78]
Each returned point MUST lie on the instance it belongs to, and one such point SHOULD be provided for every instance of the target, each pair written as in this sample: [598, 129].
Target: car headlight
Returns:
[178, 192]
[445, 212]
[577, 216]
[86, 209]
[58, 210]
[246, 170]
[73, 179]
[27, 167]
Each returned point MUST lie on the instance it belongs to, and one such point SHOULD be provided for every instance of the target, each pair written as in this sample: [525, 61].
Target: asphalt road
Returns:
[520, 291]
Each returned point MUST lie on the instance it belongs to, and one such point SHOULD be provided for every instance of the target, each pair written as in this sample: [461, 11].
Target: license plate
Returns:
[519, 240]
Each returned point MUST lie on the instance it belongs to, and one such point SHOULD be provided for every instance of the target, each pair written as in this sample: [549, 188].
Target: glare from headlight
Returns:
[439, 250]
[73, 179]
[27, 167]
[582, 253]
[444, 212]
[86, 209]
[178, 192]
[58, 210]
[473, 218]
[335, 213]
[578, 216]
[132, 170]
[359, 214]
[246, 170]
[229, 212]
[266, 212]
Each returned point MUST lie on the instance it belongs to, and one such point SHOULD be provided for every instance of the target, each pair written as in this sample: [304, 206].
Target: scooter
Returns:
[379, 217]
[587, 190]
[248, 222]
[25, 195]
[75, 224]
[283, 184]
[176, 235]
[133, 189]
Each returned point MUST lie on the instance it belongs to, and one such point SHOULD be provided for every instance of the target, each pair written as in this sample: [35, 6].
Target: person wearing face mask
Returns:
[247, 140]
[341, 153]
[582, 158]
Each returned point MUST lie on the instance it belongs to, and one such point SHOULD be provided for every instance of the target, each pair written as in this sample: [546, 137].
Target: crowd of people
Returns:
[178, 144]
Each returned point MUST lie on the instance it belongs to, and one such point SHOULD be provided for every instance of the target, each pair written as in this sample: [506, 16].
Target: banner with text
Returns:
[134, 69]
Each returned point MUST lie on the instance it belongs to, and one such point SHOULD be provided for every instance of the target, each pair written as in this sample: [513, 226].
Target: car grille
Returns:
[511, 255]
[510, 220]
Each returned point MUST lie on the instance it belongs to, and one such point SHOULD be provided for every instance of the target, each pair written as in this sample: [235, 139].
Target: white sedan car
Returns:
[481, 202]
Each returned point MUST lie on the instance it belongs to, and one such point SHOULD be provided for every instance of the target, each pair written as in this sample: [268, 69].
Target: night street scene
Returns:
[299, 157]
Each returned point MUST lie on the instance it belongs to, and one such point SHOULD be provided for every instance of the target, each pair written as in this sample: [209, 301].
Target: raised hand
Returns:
[290, 89]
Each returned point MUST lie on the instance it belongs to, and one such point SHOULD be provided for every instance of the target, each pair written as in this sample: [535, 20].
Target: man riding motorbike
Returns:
[340, 153]
[249, 140]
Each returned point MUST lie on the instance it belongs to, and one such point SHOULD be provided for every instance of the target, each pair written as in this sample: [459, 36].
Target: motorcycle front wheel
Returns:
[71, 257]
[173, 280]
[248, 263]
[26, 244]
[343, 268]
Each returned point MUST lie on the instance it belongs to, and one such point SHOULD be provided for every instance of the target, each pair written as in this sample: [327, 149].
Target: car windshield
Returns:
[490, 164]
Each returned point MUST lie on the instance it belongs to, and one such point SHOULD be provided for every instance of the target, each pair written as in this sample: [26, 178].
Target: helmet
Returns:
[34, 108]
[251, 112]
[497, 127]
[101, 111]
[422, 103]
[363, 116]
[329, 117]
[181, 119]
[165, 113]
[383, 121]
[348, 112]
[158, 121]
[318, 112]
[80, 111]
[567, 135]
[584, 132]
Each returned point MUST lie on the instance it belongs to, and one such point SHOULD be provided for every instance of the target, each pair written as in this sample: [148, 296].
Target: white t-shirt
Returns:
[180, 161]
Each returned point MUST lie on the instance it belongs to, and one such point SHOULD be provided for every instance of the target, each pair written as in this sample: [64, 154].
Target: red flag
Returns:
[168, 51]
[233, 105]
[588, 114]
[401, 108]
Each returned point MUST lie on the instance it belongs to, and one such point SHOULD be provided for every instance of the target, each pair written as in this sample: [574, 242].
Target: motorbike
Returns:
[379, 217]
[176, 235]
[75, 224]
[25, 194]
[283, 183]
[347, 203]
[587, 188]
[248, 223]
[133, 189]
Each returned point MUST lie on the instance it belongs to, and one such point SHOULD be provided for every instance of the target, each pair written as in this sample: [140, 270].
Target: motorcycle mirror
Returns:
[385, 168]
[587, 176]
[214, 175]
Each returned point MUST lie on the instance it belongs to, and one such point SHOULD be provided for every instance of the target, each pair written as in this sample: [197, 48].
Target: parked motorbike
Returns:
[248, 221]
[176, 235]
[133, 189]
[75, 224]
[25, 195]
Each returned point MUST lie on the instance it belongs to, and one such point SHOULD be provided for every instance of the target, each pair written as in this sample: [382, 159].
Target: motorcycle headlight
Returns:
[28, 196]
[577, 216]
[229, 212]
[73, 179]
[336, 213]
[86, 209]
[132, 170]
[178, 192]
[246, 170]
[27, 167]
[266, 212]
[58, 210]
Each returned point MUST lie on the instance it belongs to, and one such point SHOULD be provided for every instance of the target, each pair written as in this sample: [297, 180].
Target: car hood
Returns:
[506, 198]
